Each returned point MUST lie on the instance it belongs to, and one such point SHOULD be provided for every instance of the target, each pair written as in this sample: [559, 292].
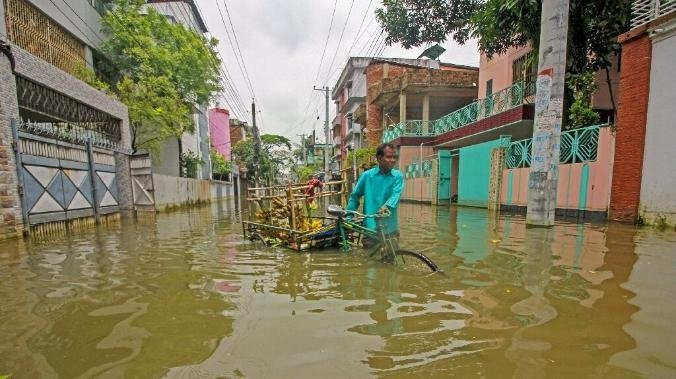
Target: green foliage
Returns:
[581, 112]
[220, 165]
[499, 25]
[413, 22]
[365, 157]
[88, 76]
[306, 172]
[163, 69]
[275, 156]
[190, 163]
[156, 111]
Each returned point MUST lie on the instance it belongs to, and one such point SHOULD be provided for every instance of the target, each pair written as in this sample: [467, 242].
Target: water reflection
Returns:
[181, 295]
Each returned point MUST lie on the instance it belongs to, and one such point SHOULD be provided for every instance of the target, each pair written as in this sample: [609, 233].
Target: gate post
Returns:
[16, 146]
[92, 179]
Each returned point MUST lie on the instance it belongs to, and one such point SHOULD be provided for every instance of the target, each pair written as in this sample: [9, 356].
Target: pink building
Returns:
[219, 128]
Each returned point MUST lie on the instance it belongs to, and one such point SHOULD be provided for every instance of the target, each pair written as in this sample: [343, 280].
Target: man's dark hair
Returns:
[380, 150]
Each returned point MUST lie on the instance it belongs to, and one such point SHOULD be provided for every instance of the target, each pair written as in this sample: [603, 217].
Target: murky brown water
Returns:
[183, 296]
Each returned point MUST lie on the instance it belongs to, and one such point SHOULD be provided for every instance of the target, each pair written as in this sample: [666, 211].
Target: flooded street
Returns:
[181, 295]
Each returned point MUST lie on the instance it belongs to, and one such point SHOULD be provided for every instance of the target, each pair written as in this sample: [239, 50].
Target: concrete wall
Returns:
[180, 11]
[658, 185]
[166, 162]
[474, 173]
[171, 191]
[418, 188]
[515, 181]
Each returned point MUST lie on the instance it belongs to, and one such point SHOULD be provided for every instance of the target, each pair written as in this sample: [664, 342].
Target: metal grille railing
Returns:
[577, 145]
[643, 11]
[51, 114]
[517, 94]
[410, 128]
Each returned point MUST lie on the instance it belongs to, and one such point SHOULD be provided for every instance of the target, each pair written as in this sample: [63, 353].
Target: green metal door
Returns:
[444, 186]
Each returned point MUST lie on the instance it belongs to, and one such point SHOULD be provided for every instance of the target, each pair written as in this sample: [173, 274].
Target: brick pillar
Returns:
[630, 136]
[11, 222]
[374, 125]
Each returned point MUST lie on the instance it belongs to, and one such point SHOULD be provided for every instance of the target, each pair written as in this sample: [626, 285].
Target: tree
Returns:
[499, 25]
[275, 156]
[160, 69]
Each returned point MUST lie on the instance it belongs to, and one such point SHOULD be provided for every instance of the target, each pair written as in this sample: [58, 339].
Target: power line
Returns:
[242, 69]
[340, 39]
[303, 115]
[241, 56]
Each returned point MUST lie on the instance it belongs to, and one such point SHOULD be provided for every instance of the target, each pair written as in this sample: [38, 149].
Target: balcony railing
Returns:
[410, 128]
[506, 99]
[643, 11]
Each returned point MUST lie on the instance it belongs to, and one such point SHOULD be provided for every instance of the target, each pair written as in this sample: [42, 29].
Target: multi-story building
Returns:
[451, 159]
[219, 129]
[198, 143]
[349, 95]
[73, 140]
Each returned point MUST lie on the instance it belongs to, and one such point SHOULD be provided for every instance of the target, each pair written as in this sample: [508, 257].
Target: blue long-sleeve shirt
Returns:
[378, 189]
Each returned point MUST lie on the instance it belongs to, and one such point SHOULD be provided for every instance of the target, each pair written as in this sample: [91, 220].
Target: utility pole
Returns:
[257, 144]
[326, 128]
[544, 171]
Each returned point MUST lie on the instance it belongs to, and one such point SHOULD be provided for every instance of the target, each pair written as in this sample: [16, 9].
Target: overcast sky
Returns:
[281, 44]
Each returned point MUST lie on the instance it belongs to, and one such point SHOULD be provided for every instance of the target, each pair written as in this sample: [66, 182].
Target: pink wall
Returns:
[499, 68]
[419, 188]
[568, 192]
[219, 128]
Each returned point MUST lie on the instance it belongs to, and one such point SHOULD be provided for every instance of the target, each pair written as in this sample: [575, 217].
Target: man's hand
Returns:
[384, 210]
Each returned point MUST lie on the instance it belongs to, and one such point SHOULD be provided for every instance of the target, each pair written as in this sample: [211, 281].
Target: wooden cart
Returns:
[282, 215]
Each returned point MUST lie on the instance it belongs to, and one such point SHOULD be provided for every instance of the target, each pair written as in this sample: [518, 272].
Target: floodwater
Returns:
[181, 295]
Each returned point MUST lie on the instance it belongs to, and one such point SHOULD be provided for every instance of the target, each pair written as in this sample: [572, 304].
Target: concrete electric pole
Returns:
[257, 144]
[326, 129]
[544, 171]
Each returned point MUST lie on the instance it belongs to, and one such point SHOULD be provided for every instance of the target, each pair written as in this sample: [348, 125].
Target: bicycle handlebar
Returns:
[338, 211]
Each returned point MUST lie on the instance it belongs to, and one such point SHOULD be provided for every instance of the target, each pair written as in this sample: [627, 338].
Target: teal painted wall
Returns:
[473, 176]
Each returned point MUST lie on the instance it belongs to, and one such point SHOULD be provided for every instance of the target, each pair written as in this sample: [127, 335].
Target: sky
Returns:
[277, 50]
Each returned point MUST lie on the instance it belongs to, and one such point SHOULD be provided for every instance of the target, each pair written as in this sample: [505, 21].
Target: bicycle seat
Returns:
[336, 211]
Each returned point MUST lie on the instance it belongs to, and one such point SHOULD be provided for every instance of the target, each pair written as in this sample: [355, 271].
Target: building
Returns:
[459, 156]
[198, 143]
[219, 129]
[349, 96]
[644, 184]
[73, 140]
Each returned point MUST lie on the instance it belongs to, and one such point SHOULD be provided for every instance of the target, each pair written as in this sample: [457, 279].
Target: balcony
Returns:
[511, 97]
[644, 11]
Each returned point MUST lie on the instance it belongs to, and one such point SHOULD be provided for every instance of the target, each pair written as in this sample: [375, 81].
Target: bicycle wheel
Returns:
[416, 261]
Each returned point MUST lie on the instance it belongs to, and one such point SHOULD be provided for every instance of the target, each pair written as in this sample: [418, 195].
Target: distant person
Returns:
[381, 187]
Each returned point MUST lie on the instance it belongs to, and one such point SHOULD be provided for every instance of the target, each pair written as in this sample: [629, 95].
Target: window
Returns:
[489, 87]
[525, 68]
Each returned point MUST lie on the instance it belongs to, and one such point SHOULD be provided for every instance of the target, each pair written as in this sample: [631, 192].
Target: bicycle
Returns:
[385, 244]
